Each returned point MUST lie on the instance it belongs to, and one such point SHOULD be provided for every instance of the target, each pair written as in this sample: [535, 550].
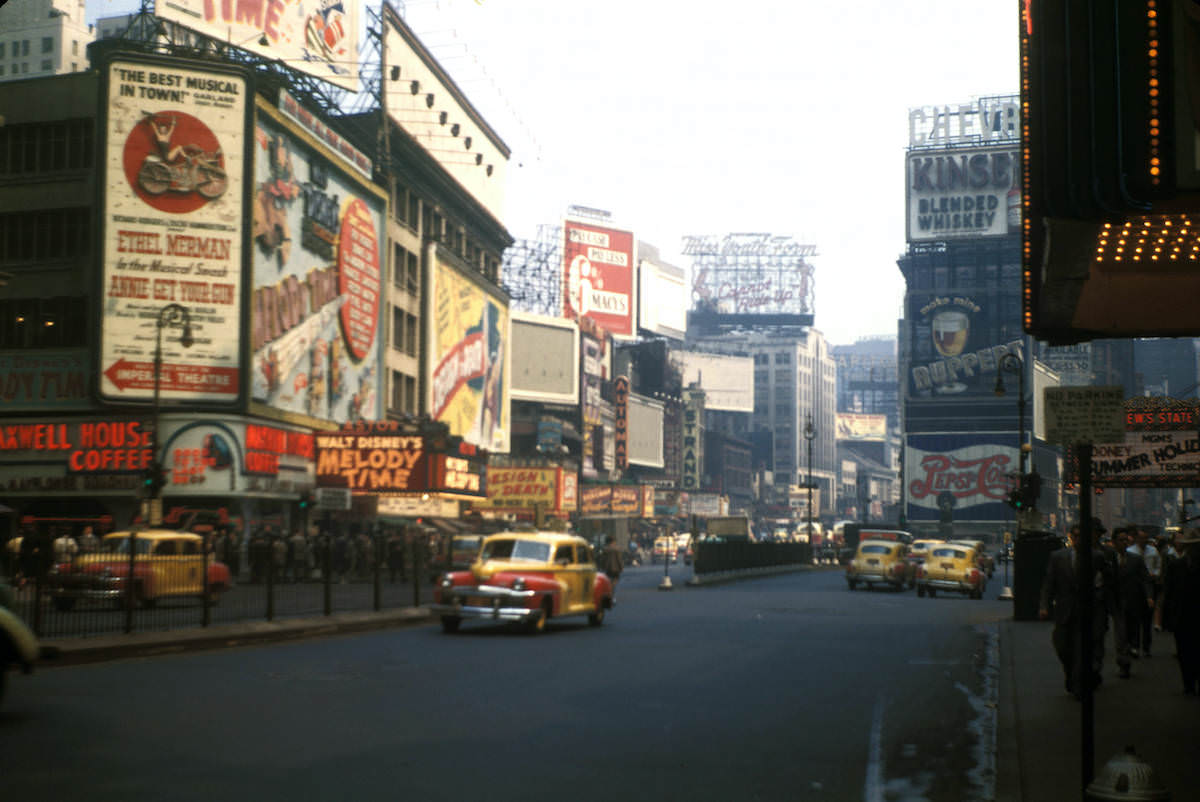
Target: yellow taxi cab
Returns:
[951, 567]
[880, 562]
[526, 578]
[166, 564]
[987, 563]
[919, 550]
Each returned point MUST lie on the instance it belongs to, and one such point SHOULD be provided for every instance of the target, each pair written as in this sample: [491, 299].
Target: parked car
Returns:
[526, 578]
[166, 564]
[951, 567]
[880, 562]
[18, 645]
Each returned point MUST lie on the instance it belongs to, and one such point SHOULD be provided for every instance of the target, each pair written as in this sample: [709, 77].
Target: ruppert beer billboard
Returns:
[173, 183]
[957, 345]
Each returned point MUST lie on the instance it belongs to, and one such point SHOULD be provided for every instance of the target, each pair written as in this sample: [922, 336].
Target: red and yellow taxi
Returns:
[952, 567]
[166, 564]
[880, 562]
[525, 578]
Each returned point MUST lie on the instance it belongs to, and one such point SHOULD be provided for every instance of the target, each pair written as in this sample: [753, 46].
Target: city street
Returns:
[776, 688]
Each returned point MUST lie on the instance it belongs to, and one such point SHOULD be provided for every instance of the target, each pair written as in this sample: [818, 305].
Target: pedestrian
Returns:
[65, 547]
[1140, 636]
[258, 552]
[299, 557]
[395, 555]
[611, 562]
[1060, 599]
[279, 556]
[1135, 594]
[1181, 608]
[88, 542]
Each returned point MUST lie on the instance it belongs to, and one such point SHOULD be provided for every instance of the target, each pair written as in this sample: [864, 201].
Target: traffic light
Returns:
[1031, 489]
[306, 499]
[154, 479]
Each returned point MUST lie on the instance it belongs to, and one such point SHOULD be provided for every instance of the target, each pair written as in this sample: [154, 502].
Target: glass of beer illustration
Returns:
[950, 329]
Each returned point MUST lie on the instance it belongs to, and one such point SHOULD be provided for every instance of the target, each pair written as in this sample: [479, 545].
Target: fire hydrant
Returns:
[1127, 777]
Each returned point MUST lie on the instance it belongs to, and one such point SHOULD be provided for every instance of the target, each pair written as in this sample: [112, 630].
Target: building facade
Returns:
[43, 37]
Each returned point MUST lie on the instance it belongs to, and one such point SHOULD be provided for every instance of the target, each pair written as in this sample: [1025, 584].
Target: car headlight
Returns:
[447, 582]
[518, 584]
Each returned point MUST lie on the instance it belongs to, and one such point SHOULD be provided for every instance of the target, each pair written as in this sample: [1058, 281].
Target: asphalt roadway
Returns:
[1039, 739]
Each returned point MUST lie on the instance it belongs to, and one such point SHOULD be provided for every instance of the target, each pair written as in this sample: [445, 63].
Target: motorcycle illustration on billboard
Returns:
[180, 169]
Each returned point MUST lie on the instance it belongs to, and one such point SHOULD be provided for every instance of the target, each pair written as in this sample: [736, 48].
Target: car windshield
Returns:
[465, 544]
[953, 554]
[876, 548]
[120, 545]
[514, 549]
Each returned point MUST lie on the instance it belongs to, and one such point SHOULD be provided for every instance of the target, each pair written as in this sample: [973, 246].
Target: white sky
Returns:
[705, 118]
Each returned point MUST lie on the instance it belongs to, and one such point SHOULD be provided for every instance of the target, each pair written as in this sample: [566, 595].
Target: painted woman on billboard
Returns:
[468, 386]
[315, 317]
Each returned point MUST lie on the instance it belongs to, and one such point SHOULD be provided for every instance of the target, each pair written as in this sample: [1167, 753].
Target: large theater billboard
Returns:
[317, 226]
[469, 357]
[172, 200]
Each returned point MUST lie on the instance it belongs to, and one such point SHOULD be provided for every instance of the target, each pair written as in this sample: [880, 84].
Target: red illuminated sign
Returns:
[265, 445]
[598, 276]
[89, 447]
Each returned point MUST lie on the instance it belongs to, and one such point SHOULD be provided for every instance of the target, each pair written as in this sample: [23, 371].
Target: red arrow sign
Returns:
[173, 378]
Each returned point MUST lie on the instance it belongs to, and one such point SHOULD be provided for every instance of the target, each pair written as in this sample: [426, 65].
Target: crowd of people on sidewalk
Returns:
[1138, 587]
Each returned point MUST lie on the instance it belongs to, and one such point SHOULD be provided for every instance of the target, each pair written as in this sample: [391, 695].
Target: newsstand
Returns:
[1031, 556]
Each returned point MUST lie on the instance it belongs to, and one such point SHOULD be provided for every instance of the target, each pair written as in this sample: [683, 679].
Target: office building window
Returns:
[410, 334]
[397, 395]
[47, 44]
[47, 65]
[397, 328]
[413, 274]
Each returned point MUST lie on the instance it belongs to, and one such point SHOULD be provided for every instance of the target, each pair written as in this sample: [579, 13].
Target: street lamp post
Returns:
[809, 434]
[1014, 364]
[169, 315]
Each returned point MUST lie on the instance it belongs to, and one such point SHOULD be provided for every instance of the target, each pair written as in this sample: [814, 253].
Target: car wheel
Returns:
[853, 583]
[64, 605]
[921, 591]
[450, 623]
[977, 593]
[597, 618]
[932, 593]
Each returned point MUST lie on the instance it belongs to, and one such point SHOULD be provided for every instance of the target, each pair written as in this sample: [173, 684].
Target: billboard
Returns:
[1160, 448]
[646, 432]
[172, 197]
[468, 337]
[545, 359]
[728, 381]
[598, 276]
[987, 120]
[381, 458]
[41, 380]
[316, 37]
[662, 299]
[751, 274]
[528, 488]
[963, 475]
[316, 269]
[957, 344]
[693, 439]
[971, 192]
[861, 428]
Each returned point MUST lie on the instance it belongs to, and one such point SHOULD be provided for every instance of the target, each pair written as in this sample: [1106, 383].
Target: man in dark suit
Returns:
[1060, 598]
[1134, 596]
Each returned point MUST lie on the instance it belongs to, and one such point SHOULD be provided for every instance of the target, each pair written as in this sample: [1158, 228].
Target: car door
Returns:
[164, 567]
[191, 564]
[586, 564]
[566, 571]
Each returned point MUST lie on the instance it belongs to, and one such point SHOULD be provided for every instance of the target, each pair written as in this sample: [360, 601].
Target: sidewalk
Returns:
[1040, 732]
[73, 651]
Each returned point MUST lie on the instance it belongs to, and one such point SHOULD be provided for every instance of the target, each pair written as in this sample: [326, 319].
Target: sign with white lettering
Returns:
[598, 276]
[173, 173]
[333, 498]
[967, 473]
[1084, 414]
[963, 193]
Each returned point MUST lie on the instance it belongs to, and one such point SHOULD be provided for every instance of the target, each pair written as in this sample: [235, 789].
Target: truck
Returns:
[729, 528]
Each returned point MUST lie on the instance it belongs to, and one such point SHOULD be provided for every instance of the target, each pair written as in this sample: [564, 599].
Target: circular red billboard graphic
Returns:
[174, 162]
[358, 278]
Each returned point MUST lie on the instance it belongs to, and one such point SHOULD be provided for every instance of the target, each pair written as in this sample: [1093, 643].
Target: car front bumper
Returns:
[71, 586]
[487, 601]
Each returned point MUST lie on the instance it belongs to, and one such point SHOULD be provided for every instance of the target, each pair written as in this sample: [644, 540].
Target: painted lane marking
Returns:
[873, 789]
